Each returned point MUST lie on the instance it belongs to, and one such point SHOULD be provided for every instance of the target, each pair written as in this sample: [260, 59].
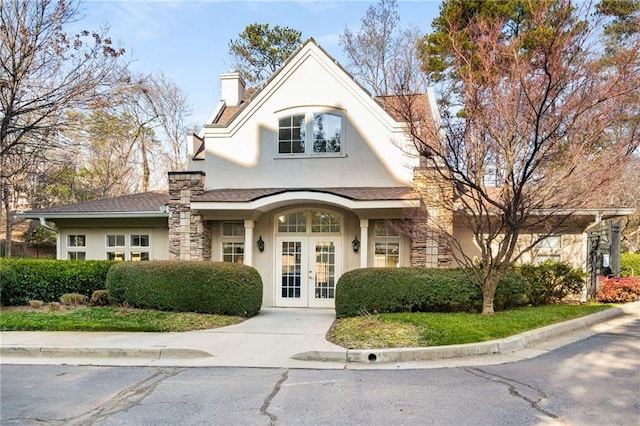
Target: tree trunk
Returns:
[9, 225]
[145, 165]
[489, 285]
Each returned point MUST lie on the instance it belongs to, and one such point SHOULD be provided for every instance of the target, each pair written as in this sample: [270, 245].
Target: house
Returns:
[309, 178]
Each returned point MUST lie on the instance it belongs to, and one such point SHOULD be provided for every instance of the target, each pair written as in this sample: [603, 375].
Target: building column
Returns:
[433, 224]
[189, 233]
[248, 242]
[364, 242]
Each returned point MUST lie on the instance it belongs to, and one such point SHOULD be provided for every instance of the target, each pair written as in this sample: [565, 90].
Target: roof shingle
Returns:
[354, 193]
[152, 201]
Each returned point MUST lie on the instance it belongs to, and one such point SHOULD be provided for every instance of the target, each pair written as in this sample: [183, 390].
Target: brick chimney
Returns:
[232, 91]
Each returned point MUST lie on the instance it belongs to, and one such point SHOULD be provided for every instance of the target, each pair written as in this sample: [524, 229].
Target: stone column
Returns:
[433, 226]
[189, 233]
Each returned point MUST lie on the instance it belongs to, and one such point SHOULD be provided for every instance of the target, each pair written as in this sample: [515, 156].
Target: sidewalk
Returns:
[286, 338]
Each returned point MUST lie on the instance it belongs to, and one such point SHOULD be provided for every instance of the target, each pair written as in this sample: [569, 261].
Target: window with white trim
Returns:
[549, 249]
[232, 241]
[76, 255]
[76, 242]
[386, 244]
[139, 244]
[312, 133]
[309, 221]
[551, 242]
[115, 240]
[291, 134]
[324, 221]
[327, 133]
[134, 247]
[541, 258]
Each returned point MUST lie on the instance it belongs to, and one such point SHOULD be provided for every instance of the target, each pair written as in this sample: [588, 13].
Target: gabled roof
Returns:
[388, 103]
[145, 204]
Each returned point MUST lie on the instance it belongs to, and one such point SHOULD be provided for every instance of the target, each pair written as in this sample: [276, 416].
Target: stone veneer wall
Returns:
[433, 225]
[189, 233]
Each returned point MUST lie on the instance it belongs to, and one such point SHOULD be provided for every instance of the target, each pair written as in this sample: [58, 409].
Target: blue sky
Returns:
[188, 39]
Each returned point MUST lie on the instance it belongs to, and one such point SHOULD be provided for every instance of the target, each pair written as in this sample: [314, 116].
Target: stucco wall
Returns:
[244, 154]
[96, 246]
[571, 250]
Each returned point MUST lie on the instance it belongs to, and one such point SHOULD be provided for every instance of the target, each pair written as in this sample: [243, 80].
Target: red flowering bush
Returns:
[618, 290]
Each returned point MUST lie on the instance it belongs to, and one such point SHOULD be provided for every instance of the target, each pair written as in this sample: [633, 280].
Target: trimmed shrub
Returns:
[73, 299]
[512, 291]
[377, 290]
[618, 290]
[48, 279]
[549, 282]
[36, 304]
[206, 287]
[630, 264]
[99, 298]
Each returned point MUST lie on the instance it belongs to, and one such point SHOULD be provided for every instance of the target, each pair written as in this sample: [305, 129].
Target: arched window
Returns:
[309, 221]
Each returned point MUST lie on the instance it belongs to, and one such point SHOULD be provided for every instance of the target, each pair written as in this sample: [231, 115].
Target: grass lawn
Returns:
[437, 329]
[109, 319]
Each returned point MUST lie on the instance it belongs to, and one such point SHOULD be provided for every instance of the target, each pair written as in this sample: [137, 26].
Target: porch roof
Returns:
[244, 195]
[365, 201]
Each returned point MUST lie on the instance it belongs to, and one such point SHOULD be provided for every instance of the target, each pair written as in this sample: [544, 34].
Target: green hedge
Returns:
[630, 264]
[48, 279]
[549, 282]
[377, 290]
[206, 287]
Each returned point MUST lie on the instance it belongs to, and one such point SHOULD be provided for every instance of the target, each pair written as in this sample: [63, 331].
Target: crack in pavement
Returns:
[22, 420]
[513, 386]
[125, 399]
[265, 405]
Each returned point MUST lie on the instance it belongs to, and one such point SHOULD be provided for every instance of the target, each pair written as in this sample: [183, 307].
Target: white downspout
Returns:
[44, 224]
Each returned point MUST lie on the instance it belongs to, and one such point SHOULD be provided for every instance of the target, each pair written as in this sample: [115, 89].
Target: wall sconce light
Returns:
[260, 243]
[355, 244]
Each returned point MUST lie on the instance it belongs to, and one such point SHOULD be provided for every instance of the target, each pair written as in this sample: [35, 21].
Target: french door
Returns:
[307, 269]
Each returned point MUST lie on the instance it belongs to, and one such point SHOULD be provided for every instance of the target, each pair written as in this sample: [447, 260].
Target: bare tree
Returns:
[45, 72]
[169, 106]
[530, 144]
[381, 55]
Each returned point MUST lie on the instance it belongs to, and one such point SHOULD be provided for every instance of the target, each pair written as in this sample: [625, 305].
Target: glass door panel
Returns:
[307, 270]
[326, 271]
[291, 272]
[291, 269]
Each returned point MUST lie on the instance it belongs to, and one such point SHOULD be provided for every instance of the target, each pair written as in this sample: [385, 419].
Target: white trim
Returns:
[303, 196]
[248, 242]
[364, 242]
[93, 215]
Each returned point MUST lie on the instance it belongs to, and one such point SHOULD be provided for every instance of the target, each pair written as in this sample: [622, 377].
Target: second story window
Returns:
[312, 133]
[327, 133]
[291, 134]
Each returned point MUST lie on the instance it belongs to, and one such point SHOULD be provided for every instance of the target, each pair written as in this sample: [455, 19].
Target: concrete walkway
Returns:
[286, 338]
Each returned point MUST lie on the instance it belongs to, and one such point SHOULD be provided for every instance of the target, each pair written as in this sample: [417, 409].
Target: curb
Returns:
[492, 347]
[58, 352]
